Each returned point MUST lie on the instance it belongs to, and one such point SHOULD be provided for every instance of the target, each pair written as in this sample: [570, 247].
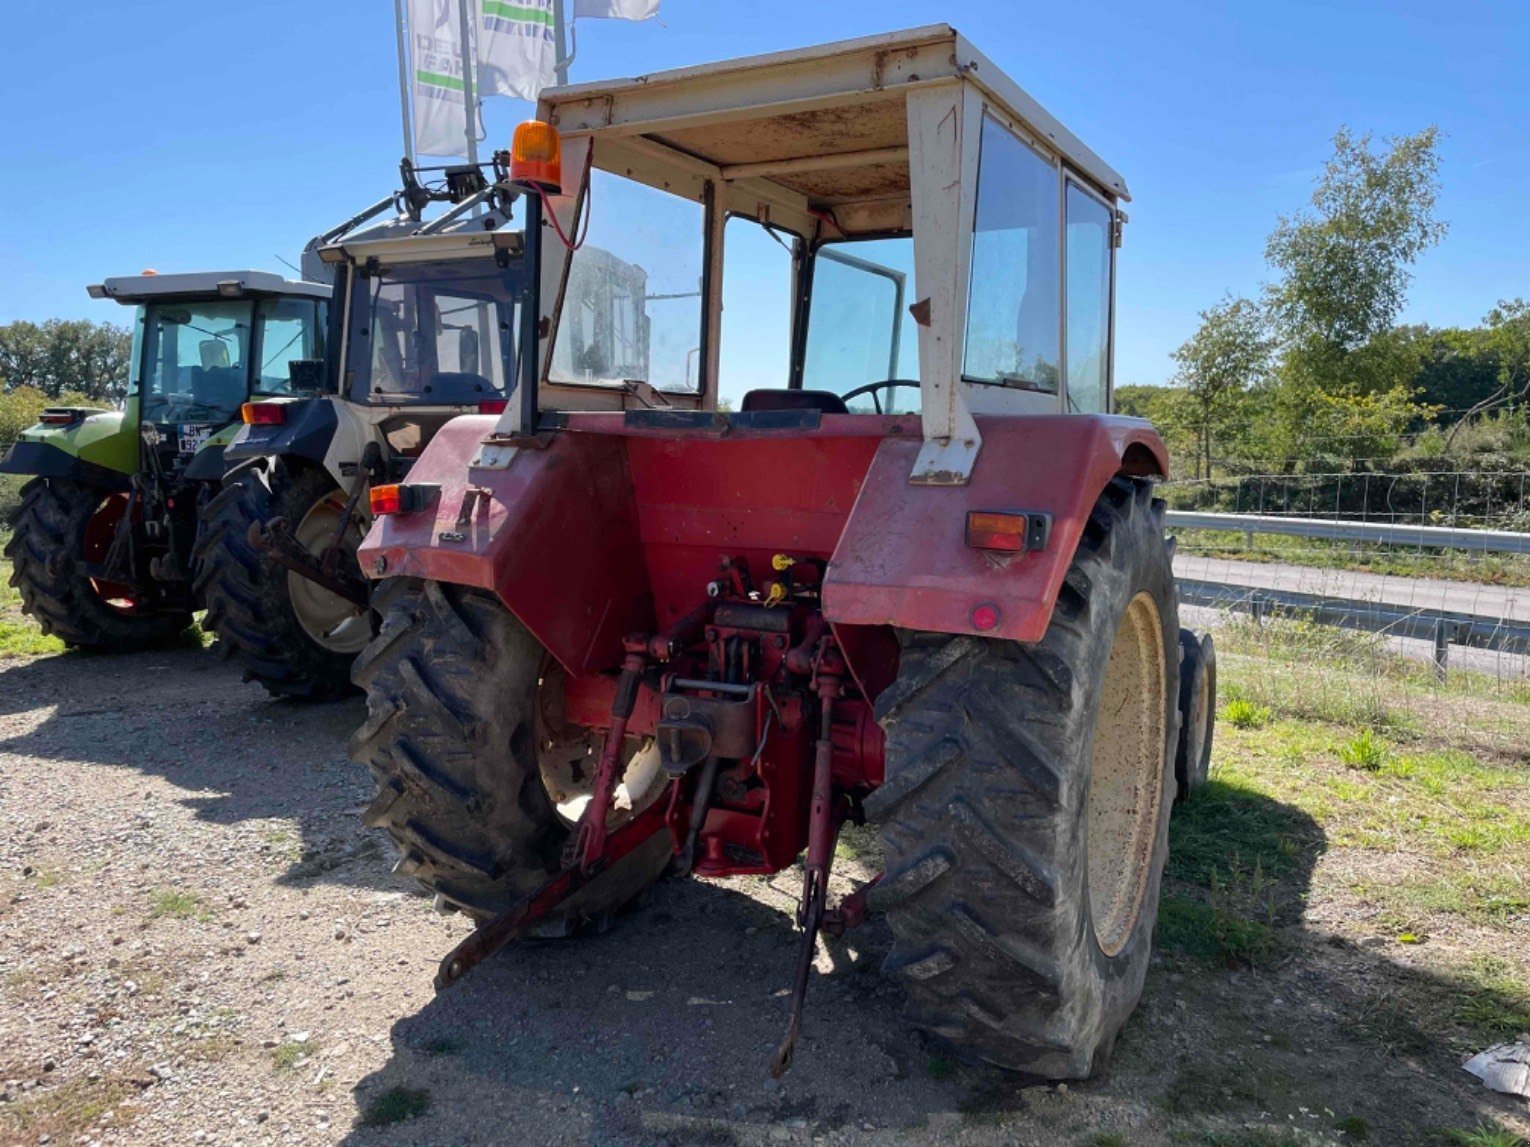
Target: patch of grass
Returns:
[1106, 1139]
[178, 904]
[939, 1067]
[289, 1053]
[1485, 1134]
[861, 843]
[1244, 714]
[1364, 751]
[1493, 999]
[395, 1106]
[1208, 1086]
[444, 1045]
[66, 1111]
[1357, 1127]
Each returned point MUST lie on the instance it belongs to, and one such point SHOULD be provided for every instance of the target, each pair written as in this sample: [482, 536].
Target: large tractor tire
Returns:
[1025, 814]
[290, 634]
[60, 527]
[1197, 712]
[477, 771]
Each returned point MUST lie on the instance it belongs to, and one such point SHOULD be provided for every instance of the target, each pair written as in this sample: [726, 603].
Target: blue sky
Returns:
[187, 136]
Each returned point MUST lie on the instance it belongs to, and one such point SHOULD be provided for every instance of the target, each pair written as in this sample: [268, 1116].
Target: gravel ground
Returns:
[200, 943]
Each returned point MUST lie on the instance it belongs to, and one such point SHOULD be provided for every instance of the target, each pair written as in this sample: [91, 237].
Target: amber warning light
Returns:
[402, 499]
[536, 158]
[1006, 531]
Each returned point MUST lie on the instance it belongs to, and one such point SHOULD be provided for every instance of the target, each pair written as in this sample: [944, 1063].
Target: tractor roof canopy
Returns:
[874, 137]
[134, 289]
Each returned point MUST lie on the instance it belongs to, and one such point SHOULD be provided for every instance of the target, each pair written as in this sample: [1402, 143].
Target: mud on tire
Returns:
[47, 550]
[248, 603]
[986, 809]
[451, 682]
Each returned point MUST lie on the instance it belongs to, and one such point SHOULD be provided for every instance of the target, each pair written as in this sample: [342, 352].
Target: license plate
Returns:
[193, 437]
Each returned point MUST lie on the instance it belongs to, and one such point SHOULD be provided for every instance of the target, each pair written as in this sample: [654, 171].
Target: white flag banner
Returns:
[616, 9]
[517, 47]
[440, 116]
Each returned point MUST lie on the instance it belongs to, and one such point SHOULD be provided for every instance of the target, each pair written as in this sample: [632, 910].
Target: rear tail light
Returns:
[493, 405]
[1010, 532]
[60, 416]
[263, 413]
[402, 499]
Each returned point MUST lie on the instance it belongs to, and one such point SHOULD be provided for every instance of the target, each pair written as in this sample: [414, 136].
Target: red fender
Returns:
[613, 528]
[903, 559]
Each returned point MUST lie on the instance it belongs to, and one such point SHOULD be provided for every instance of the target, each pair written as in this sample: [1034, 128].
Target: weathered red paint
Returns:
[902, 559]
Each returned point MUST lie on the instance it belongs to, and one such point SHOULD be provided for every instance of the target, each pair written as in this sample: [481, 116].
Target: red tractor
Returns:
[832, 523]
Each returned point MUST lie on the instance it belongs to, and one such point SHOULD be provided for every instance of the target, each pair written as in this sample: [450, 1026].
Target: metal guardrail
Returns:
[1386, 533]
[1442, 627]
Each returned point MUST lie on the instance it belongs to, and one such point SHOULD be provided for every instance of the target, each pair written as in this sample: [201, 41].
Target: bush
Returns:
[20, 407]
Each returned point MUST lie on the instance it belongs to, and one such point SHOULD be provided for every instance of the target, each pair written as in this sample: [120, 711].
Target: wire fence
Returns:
[1369, 633]
[1470, 498]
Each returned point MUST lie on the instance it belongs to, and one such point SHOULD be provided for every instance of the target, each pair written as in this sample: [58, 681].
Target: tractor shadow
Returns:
[183, 714]
[662, 1029]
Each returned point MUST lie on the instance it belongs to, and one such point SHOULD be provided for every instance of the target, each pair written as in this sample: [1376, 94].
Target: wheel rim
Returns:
[100, 531]
[568, 756]
[1126, 775]
[332, 623]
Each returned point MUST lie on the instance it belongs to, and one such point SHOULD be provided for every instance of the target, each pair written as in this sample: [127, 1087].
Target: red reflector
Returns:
[58, 417]
[985, 616]
[263, 413]
[493, 405]
[386, 500]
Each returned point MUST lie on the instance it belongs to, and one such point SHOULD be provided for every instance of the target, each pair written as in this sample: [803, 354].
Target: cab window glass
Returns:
[1013, 309]
[757, 311]
[290, 330]
[196, 360]
[859, 329]
[632, 306]
[1089, 251]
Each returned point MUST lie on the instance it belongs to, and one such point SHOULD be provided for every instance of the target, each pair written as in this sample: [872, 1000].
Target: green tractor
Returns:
[102, 542]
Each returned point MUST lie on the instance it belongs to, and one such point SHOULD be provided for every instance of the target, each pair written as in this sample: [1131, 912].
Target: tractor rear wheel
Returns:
[290, 634]
[60, 528]
[1026, 808]
[1197, 712]
[478, 772]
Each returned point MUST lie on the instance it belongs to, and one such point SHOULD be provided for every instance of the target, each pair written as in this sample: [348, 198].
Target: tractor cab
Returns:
[883, 226]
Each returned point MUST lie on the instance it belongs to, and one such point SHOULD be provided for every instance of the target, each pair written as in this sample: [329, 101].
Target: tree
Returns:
[1345, 264]
[1507, 336]
[66, 355]
[1228, 354]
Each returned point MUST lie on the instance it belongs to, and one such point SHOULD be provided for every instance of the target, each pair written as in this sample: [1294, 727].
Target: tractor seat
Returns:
[823, 401]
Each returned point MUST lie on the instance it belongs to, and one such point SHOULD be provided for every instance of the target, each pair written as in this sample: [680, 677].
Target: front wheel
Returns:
[1025, 813]
[63, 534]
[292, 635]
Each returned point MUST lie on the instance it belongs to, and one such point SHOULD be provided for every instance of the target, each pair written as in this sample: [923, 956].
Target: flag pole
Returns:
[403, 80]
[561, 32]
[469, 100]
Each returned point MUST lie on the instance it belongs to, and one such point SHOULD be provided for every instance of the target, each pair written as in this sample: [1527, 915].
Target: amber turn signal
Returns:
[1006, 531]
[402, 499]
[536, 158]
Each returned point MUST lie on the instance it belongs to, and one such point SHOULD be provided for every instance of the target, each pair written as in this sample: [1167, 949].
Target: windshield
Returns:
[859, 329]
[434, 333]
[196, 360]
[290, 330]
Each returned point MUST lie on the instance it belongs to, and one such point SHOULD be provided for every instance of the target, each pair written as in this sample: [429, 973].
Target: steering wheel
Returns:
[871, 388]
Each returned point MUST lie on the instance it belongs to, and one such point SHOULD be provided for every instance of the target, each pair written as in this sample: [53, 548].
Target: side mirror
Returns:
[305, 373]
[213, 353]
